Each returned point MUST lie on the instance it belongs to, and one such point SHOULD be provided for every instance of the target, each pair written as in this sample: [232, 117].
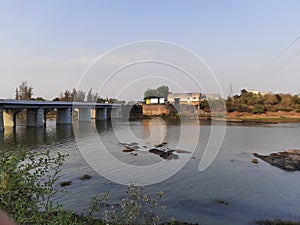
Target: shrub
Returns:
[242, 108]
[286, 109]
[136, 208]
[259, 109]
[23, 193]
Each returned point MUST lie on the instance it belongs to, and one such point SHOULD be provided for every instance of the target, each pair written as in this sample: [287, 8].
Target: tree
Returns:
[39, 99]
[24, 92]
[17, 94]
[66, 96]
[73, 95]
[205, 105]
[161, 91]
[244, 91]
[150, 93]
[89, 97]
[80, 96]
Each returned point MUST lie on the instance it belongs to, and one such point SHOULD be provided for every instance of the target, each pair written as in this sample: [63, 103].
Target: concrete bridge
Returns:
[36, 112]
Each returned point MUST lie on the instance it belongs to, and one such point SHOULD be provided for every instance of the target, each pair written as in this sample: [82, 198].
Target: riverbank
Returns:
[234, 117]
[268, 117]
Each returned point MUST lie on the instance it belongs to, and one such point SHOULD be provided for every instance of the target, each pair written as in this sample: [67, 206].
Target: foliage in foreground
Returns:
[29, 181]
[27, 185]
[276, 222]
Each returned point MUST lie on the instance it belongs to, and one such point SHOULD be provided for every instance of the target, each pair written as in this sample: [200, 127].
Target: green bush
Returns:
[23, 194]
[242, 108]
[286, 109]
[259, 109]
[136, 208]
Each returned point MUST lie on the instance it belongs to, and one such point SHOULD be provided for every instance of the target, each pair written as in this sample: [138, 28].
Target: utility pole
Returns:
[230, 94]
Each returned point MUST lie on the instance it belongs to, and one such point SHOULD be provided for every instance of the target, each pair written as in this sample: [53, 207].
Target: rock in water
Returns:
[255, 161]
[128, 150]
[163, 154]
[85, 177]
[288, 160]
[181, 151]
[161, 145]
[65, 183]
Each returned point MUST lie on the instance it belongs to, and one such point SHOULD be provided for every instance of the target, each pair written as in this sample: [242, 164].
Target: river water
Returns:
[249, 191]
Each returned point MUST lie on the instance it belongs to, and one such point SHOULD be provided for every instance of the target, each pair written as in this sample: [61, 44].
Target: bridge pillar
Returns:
[116, 113]
[63, 116]
[101, 114]
[34, 117]
[1, 120]
[10, 117]
[93, 113]
[108, 113]
[84, 115]
[45, 115]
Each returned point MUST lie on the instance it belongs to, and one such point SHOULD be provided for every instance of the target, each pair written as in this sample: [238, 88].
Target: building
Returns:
[155, 100]
[185, 98]
[255, 92]
[211, 96]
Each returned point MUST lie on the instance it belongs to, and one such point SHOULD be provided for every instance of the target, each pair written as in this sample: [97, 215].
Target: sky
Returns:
[56, 45]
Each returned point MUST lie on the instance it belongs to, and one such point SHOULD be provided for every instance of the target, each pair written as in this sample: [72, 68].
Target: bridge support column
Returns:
[63, 116]
[116, 113]
[93, 113]
[101, 114]
[34, 117]
[109, 113]
[10, 117]
[1, 120]
[85, 115]
[45, 115]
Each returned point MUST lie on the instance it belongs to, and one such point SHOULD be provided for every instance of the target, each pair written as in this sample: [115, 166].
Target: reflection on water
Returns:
[252, 191]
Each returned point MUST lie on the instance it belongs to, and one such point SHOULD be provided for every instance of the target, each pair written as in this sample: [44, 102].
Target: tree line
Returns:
[258, 103]
[25, 92]
[244, 102]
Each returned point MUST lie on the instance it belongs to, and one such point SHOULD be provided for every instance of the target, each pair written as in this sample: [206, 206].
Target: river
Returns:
[232, 190]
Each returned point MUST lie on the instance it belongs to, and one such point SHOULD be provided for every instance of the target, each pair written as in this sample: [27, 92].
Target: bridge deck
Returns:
[22, 104]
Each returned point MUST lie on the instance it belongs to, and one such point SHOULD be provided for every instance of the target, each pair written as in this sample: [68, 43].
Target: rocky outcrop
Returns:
[288, 160]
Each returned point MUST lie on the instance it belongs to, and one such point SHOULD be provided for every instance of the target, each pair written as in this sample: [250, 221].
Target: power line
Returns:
[272, 62]
[278, 69]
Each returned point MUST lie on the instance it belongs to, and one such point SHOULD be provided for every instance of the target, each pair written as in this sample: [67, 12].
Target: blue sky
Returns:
[51, 43]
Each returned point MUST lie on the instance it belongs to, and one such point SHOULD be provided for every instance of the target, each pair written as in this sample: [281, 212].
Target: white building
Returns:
[185, 98]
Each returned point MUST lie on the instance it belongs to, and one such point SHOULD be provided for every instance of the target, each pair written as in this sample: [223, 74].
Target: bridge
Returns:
[36, 111]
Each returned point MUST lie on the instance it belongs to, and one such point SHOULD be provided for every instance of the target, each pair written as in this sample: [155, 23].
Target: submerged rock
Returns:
[128, 150]
[181, 151]
[85, 177]
[288, 160]
[65, 183]
[135, 154]
[164, 154]
[132, 145]
[161, 145]
[222, 202]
